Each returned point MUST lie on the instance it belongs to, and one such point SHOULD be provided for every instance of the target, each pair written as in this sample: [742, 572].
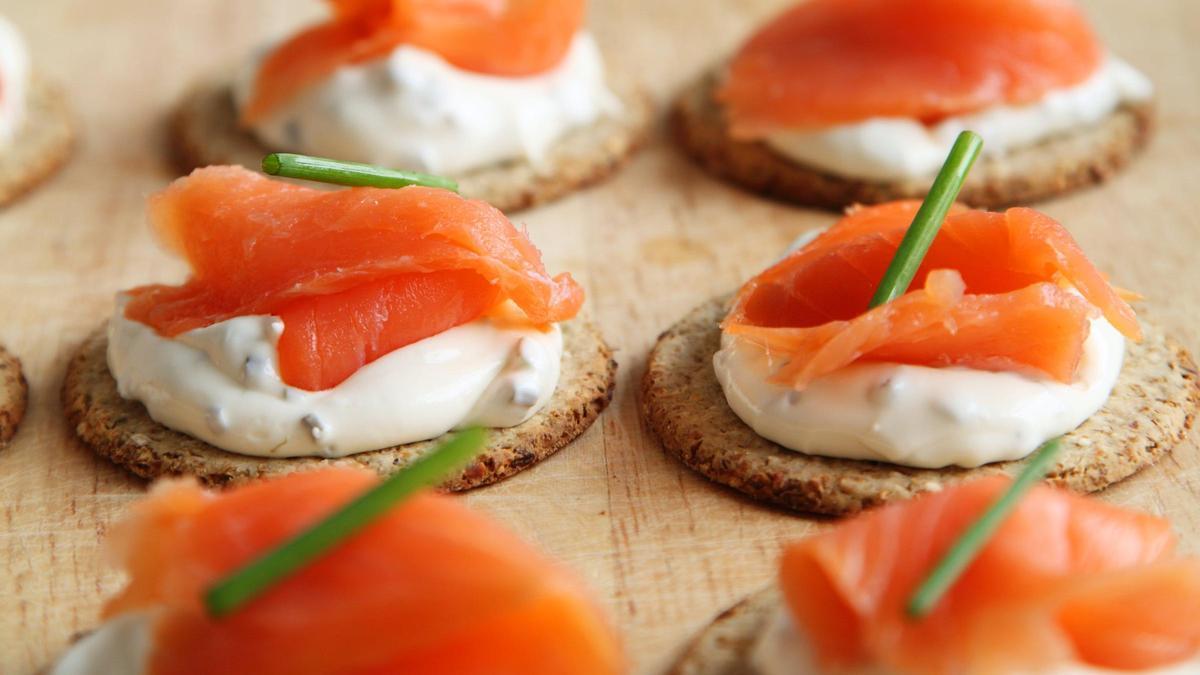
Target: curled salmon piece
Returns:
[354, 274]
[1005, 291]
[829, 62]
[512, 38]
[431, 587]
[1066, 579]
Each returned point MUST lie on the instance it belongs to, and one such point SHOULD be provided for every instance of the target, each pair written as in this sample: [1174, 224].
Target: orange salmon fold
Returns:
[431, 587]
[992, 294]
[354, 273]
[511, 38]
[1067, 579]
[828, 62]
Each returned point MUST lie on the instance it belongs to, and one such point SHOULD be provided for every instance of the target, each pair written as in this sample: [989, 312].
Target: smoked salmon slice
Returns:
[991, 294]
[354, 274]
[431, 587]
[1066, 579]
[829, 62]
[511, 38]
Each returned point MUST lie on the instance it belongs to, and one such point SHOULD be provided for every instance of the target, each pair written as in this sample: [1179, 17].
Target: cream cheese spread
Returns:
[917, 416]
[120, 646]
[887, 148]
[783, 650]
[221, 384]
[414, 110]
[14, 81]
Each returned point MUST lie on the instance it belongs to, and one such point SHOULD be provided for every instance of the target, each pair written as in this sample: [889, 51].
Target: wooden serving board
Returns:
[663, 548]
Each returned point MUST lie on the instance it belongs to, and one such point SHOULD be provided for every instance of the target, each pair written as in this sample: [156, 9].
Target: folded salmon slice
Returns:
[829, 62]
[354, 273]
[431, 587]
[510, 38]
[327, 338]
[990, 296]
[1066, 579]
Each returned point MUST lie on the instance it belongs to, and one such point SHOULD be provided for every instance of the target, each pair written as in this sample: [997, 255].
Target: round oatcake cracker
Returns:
[14, 395]
[42, 144]
[1084, 156]
[122, 431]
[725, 645]
[1150, 410]
[204, 131]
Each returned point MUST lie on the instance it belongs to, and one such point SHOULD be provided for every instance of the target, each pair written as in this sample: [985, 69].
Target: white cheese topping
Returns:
[888, 148]
[915, 415]
[120, 646]
[14, 80]
[414, 110]
[221, 384]
[783, 650]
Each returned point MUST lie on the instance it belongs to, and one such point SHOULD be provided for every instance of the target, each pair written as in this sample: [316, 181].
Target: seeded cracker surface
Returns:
[41, 145]
[14, 395]
[724, 646]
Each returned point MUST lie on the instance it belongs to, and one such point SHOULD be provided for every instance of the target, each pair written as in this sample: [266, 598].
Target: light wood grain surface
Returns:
[662, 547]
